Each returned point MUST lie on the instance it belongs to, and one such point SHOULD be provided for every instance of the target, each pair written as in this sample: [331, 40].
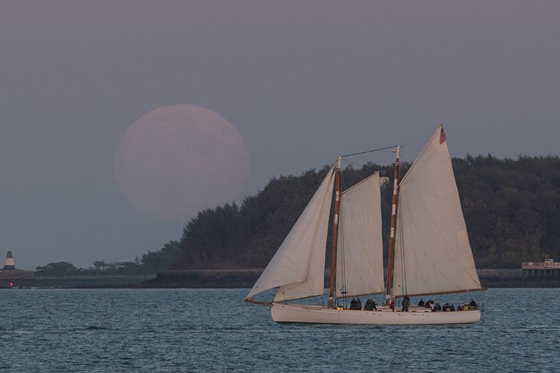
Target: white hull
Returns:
[296, 313]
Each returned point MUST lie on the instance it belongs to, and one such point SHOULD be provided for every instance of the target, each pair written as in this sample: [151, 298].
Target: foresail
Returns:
[432, 251]
[298, 267]
[359, 269]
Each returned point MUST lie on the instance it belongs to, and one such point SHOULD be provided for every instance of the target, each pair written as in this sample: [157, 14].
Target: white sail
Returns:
[359, 269]
[432, 252]
[298, 267]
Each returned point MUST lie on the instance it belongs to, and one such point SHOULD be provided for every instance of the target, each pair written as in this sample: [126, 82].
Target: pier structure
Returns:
[547, 270]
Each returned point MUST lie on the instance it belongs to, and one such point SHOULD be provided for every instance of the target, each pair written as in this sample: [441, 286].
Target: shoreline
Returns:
[237, 278]
[489, 278]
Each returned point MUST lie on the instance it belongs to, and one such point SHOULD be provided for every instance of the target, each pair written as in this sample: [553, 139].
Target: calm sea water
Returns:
[213, 330]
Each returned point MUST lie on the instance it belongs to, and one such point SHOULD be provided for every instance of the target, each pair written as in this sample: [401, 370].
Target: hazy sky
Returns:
[302, 81]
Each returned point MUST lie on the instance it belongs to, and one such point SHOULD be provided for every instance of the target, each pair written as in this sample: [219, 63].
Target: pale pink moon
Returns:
[177, 160]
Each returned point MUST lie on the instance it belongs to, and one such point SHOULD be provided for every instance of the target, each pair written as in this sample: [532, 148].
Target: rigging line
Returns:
[360, 171]
[352, 163]
[342, 182]
[340, 282]
[355, 164]
[403, 251]
[362, 166]
[369, 151]
[341, 265]
[341, 260]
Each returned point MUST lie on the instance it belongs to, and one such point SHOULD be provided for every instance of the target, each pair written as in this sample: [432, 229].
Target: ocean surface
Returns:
[169, 330]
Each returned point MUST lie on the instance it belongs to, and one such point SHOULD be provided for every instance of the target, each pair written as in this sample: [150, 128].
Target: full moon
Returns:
[177, 160]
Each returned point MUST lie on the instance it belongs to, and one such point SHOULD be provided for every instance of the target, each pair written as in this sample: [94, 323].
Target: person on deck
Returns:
[429, 304]
[359, 303]
[437, 307]
[392, 306]
[405, 304]
[446, 307]
[353, 304]
[451, 308]
[473, 305]
[370, 305]
[421, 303]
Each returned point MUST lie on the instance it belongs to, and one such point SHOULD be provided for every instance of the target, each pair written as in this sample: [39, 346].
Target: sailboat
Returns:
[429, 249]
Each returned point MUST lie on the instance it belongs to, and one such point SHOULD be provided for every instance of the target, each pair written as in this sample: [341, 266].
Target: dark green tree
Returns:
[154, 261]
[511, 207]
[57, 269]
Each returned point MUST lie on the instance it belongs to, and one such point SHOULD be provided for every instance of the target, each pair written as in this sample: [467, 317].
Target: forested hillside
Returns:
[512, 210]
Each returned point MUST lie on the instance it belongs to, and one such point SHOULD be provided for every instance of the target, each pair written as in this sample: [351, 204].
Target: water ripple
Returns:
[114, 330]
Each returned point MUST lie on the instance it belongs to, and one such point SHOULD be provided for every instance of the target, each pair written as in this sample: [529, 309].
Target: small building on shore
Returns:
[549, 269]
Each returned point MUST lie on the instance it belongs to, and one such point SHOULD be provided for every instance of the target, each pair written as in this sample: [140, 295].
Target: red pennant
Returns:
[442, 137]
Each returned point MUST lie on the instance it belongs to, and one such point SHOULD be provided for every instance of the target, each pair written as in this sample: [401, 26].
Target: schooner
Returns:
[429, 249]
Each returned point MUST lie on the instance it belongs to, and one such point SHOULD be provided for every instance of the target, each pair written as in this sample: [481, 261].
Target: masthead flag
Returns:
[442, 137]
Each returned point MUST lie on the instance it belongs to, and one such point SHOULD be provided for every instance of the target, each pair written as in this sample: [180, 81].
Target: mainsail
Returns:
[359, 269]
[298, 267]
[432, 252]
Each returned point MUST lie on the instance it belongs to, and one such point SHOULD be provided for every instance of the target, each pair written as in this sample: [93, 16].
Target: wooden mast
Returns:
[335, 232]
[393, 227]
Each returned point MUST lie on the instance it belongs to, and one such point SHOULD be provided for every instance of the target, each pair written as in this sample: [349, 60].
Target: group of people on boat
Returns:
[405, 304]
[448, 307]
[356, 304]
[370, 305]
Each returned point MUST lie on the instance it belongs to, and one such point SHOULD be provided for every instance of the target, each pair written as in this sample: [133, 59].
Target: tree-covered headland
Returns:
[511, 207]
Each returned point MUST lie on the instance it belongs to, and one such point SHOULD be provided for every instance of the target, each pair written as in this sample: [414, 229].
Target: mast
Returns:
[335, 232]
[393, 226]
